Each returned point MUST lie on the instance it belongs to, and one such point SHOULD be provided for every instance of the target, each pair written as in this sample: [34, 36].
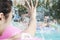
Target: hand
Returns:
[30, 7]
[32, 14]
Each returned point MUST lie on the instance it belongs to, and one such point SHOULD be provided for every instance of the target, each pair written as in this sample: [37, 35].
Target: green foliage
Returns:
[56, 8]
[21, 9]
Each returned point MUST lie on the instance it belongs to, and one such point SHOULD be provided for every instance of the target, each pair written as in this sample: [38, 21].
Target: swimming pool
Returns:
[52, 35]
[46, 35]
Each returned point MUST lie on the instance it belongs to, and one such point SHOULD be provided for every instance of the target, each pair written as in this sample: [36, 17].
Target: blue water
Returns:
[53, 35]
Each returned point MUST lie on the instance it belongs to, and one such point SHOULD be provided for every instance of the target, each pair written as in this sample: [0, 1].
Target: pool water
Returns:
[46, 35]
[52, 35]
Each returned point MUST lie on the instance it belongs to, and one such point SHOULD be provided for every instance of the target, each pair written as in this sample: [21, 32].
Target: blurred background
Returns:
[48, 18]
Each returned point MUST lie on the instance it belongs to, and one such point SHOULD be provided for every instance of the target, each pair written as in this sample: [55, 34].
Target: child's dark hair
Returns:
[5, 7]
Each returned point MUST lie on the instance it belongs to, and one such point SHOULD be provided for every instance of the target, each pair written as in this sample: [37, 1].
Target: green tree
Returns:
[21, 9]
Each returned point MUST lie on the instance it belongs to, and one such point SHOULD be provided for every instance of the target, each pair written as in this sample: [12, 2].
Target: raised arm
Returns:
[32, 12]
[32, 24]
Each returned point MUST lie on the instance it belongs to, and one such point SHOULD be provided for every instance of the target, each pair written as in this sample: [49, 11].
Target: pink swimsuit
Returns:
[11, 31]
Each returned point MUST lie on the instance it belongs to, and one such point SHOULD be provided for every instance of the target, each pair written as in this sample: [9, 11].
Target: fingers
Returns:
[25, 6]
[31, 6]
[28, 3]
[36, 3]
[31, 3]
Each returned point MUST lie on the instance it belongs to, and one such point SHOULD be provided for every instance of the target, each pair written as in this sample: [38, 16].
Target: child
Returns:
[7, 31]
